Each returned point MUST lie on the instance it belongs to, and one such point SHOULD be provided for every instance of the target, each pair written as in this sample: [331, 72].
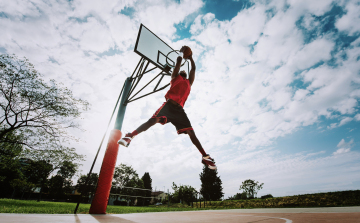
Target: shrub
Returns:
[266, 196]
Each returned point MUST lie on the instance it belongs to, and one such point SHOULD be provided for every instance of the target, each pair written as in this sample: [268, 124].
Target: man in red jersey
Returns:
[172, 110]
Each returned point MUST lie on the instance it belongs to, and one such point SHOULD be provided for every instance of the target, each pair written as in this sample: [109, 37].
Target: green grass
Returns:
[45, 207]
[30, 206]
[331, 199]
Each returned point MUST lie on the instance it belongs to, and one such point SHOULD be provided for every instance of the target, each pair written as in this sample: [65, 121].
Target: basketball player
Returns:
[172, 110]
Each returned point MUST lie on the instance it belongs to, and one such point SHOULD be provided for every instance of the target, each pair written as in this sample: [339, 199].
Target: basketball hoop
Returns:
[167, 57]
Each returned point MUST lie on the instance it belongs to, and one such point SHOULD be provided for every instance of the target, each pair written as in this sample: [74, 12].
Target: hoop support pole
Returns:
[100, 201]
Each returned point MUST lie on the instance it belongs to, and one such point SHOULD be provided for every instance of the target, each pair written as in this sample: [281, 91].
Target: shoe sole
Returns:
[123, 143]
[210, 167]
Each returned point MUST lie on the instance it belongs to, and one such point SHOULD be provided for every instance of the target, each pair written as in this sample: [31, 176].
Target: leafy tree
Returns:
[183, 193]
[123, 174]
[244, 196]
[61, 183]
[22, 185]
[10, 150]
[147, 185]
[67, 171]
[19, 173]
[91, 185]
[56, 189]
[251, 187]
[31, 175]
[126, 176]
[56, 157]
[211, 188]
[37, 111]
[37, 172]
[59, 159]
[10, 166]
[23, 169]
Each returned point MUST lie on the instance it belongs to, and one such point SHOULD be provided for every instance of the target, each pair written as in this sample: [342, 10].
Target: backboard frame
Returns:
[157, 63]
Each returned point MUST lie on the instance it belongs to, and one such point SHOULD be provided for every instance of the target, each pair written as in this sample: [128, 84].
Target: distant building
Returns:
[159, 196]
[75, 192]
[114, 198]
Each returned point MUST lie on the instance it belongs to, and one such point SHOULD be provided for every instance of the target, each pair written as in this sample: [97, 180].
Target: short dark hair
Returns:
[183, 73]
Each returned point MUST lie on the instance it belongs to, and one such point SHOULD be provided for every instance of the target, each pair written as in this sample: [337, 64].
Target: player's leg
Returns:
[206, 159]
[196, 141]
[145, 126]
[158, 117]
[183, 126]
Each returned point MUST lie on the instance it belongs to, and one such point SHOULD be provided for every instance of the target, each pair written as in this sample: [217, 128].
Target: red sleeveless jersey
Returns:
[179, 90]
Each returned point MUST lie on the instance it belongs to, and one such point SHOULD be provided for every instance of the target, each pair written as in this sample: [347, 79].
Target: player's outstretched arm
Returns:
[192, 71]
[175, 72]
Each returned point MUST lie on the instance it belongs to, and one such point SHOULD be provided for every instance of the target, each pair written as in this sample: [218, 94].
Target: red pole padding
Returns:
[100, 201]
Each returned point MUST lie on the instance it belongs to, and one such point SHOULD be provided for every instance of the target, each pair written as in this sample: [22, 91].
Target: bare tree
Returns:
[37, 111]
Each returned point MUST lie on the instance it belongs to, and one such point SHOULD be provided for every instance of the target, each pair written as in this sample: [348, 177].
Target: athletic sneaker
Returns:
[126, 140]
[207, 160]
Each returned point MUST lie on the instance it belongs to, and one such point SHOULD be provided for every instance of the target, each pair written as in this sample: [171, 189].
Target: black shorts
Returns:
[175, 114]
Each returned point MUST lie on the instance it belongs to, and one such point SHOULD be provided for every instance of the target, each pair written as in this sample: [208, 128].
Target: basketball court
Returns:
[270, 215]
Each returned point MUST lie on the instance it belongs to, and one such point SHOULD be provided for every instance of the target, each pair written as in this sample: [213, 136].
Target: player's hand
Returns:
[179, 59]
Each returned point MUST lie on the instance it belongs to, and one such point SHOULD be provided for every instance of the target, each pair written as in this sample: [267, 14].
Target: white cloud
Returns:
[344, 147]
[103, 10]
[341, 123]
[357, 117]
[200, 22]
[242, 31]
[160, 16]
[350, 22]
[312, 53]
[341, 151]
[19, 8]
[93, 36]
[345, 120]
[212, 32]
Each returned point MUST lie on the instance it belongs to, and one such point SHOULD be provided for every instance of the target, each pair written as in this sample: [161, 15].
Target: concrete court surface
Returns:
[269, 215]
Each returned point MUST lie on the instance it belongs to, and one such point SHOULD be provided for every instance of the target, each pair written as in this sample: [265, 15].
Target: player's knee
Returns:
[162, 120]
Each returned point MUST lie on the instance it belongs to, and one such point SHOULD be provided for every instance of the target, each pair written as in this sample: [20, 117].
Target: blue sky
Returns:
[275, 99]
